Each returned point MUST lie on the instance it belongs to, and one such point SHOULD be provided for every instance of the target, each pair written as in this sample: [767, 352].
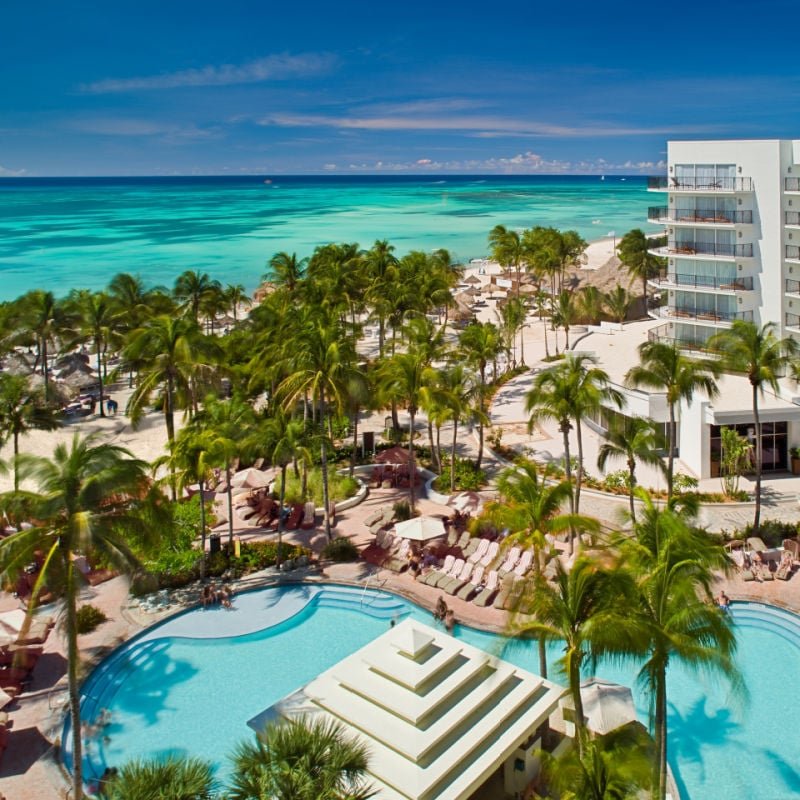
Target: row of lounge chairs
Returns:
[17, 660]
[263, 511]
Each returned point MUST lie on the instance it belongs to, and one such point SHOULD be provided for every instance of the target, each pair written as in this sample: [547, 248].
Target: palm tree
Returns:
[23, 409]
[531, 507]
[567, 393]
[287, 270]
[88, 502]
[663, 367]
[565, 313]
[171, 778]
[760, 355]
[618, 302]
[192, 289]
[301, 760]
[381, 264]
[633, 439]
[512, 314]
[670, 615]
[573, 611]
[172, 354]
[43, 317]
[591, 303]
[633, 252]
[480, 343]
[235, 298]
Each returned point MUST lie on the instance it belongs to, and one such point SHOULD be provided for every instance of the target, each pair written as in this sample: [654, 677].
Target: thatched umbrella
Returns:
[472, 279]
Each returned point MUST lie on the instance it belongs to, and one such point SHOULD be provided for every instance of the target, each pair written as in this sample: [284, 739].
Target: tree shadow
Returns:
[25, 747]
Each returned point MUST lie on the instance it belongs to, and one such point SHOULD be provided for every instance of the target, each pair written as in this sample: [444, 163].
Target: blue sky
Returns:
[242, 86]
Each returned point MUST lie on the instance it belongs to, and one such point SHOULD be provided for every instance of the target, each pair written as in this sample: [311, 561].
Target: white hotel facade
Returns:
[731, 211]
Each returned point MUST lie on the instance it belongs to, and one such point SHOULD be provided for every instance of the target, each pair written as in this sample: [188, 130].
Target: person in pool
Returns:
[723, 601]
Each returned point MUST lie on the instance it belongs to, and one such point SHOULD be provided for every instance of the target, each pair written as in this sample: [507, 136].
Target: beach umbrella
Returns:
[606, 706]
[466, 501]
[420, 529]
[251, 478]
[472, 279]
[394, 455]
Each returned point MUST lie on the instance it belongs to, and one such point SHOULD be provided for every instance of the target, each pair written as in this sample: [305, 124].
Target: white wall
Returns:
[695, 437]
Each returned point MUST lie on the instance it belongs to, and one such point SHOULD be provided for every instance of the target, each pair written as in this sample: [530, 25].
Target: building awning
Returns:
[437, 715]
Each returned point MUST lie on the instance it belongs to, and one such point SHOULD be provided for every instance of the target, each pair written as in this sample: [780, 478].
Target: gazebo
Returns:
[439, 717]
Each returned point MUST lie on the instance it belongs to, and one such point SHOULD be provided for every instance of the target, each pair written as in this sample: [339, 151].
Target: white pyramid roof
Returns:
[437, 715]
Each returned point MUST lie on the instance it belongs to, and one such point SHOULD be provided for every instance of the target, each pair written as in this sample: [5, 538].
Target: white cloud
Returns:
[5, 172]
[269, 68]
[128, 126]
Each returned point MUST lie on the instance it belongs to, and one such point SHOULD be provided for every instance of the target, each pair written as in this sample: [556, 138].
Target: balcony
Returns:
[686, 280]
[792, 252]
[789, 184]
[793, 321]
[700, 315]
[691, 216]
[699, 184]
[697, 344]
[714, 249]
[792, 287]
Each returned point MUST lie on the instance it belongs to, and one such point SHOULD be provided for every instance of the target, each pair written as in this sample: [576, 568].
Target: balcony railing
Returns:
[792, 321]
[740, 284]
[791, 184]
[707, 249]
[664, 214]
[701, 184]
[793, 287]
[704, 315]
[792, 218]
[793, 251]
[685, 342]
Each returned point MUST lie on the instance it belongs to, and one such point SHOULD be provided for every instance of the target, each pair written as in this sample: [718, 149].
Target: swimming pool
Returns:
[189, 685]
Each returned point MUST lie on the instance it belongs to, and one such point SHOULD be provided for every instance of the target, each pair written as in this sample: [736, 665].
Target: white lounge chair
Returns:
[524, 563]
[432, 577]
[488, 591]
[462, 579]
[474, 585]
[453, 572]
[512, 559]
[491, 554]
[479, 552]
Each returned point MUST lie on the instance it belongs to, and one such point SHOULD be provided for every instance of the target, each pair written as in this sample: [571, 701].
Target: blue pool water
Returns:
[190, 684]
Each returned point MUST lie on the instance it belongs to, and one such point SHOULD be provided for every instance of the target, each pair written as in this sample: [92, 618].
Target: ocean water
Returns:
[79, 232]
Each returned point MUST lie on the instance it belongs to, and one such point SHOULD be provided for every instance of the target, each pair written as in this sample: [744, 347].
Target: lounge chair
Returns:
[491, 554]
[479, 552]
[505, 588]
[432, 577]
[461, 580]
[485, 595]
[792, 546]
[525, 563]
[784, 571]
[375, 516]
[453, 572]
[756, 545]
[452, 537]
[399, 559]
[309, 516]
[295, 515]
[468, 544]
[515, 595]
[512, 559]
[37, 633]
[474, 585]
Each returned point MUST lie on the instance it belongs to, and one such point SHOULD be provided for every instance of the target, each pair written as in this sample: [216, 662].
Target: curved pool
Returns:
[189, 685]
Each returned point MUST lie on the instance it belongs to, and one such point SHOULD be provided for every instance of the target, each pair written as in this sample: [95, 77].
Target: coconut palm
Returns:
[172, 356]
[572, 610]
[530, 506]
[670, 614]
[235, 298]
[287, 270]
[512, 314]
[568, 393]
[633, 249]
[663, 367]
[192, 290]
[23, 409]
[760, 355]
[88, 502]
[171, 778]
[480, 343]
[301, 760]
[618, 302]
[565, 314]
[591, 304]
[635, 440]
[381, 265]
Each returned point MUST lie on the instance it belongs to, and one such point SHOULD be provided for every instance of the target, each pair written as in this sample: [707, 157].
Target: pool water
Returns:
[190, 684]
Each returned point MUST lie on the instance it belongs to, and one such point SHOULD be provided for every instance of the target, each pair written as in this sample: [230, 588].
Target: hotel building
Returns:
[731, 211]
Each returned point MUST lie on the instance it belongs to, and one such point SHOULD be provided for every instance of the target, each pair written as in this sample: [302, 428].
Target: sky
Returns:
[163, 87]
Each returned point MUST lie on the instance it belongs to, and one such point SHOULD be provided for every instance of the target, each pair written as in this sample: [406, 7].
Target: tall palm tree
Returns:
[480, 343]
[287, 270]
[171, 778]
[236, 298]
[633, 439]
[663, 367]
[591, 304]
[641, 265]
[760, 355]
[172, 355]
[565, 314]
[88, 502]
[530, 505]
[512, 314]
[567, 393]
[23, 409]
[618, 302]
[192, 289]
[45, 319]
[670, 615]
[381, 265]
[573, 611]
[301, 760]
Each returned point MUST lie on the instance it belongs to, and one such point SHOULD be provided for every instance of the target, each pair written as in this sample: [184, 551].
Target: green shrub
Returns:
[684, 483]
[340, 549]
[772, 531]
[340, 487]
[402, 510]
[89, 617]
[615, 481]
[468, 477]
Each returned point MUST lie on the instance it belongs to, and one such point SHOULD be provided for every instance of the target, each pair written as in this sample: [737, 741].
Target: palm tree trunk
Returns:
[381, 335]
[632, 488]
[45, 371]
[281, 516]
[671, 454]
[439, 447]
[412, 467]
[433, 448]
[568, 472]
[757, 419]
[71, 630]
[202, 484]
[355, 442]
[453, 457]
[16, 455]
[230, 504]
[324, 468]
[480, 420]
[522, 338]
[579, 476]
[660, 735]
[575, 691]
[100, 375]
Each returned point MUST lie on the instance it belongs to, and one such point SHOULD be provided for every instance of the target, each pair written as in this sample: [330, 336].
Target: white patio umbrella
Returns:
[420, 529]
[251, 478]
[606, 706]
[466, 501]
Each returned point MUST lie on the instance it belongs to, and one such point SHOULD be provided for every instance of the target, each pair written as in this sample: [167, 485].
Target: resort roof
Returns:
[437, 715]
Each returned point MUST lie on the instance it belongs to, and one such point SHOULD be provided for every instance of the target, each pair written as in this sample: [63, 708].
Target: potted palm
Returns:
[794, 454]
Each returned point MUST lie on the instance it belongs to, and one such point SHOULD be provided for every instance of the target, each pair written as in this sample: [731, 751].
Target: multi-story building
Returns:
[731, 210]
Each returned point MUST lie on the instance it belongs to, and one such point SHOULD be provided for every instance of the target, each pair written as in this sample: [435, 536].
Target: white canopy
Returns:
[420, 529]
[251, 478]
[606, 706]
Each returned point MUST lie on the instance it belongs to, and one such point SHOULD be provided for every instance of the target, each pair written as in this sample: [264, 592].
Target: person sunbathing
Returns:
[441, 609]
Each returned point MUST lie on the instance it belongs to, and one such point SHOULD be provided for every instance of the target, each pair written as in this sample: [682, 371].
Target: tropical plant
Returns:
[192, 290]
[633, 249]
[759, 354]
[663, 367]
[89, 502]
[174, 777]
[618, 302]
[670, 616]
[565, 313]
[301, 760]
[287, 270]
[736, 455]
[591, 304]
[633, 439]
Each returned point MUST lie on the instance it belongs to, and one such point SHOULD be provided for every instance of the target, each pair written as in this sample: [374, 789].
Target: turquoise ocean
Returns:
[68, 233]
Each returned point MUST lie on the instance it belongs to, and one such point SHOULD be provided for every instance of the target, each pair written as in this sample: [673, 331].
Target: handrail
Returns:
[702, 184]
[708, 249]
[792, 251]
[792, 286]
[792, 218]
[693, 215]
[736, 283]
